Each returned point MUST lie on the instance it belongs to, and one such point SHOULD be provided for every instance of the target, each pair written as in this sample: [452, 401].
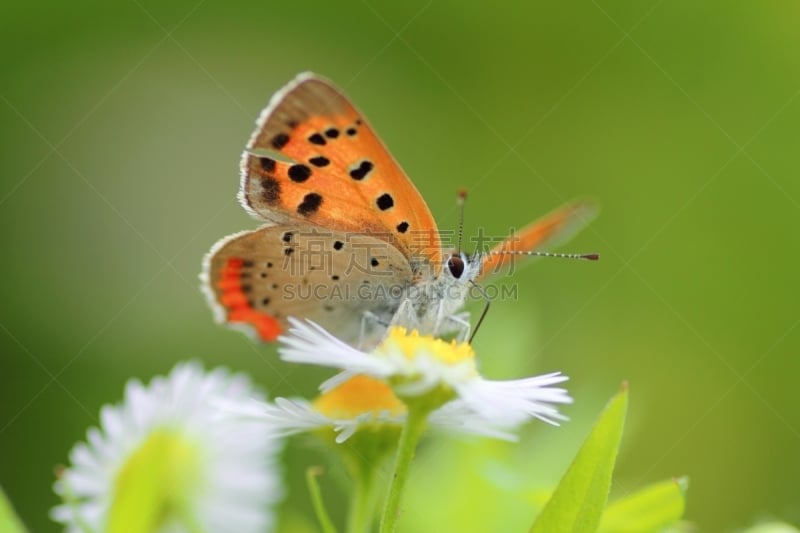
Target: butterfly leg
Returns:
[448, 323]
[460, 323]
[406, 315]
[371, 324]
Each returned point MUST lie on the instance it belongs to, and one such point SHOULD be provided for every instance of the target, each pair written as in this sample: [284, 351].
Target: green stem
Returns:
[316, 499]
[412, 430]
[362, 502]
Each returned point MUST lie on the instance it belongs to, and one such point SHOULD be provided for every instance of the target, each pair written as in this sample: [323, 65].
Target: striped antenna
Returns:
[460, 201]
[587, 257]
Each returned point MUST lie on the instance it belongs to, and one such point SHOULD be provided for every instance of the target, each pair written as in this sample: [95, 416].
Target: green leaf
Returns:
[578, 501]
[648, 510]
[9, 521]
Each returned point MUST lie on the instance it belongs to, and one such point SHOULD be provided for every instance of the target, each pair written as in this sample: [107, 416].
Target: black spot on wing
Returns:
[279, 141]
[310, 204]
[267, 164]
[360, 172]
[320, 161]
[270, 190]
[317, 139]
[385, 201]
[299, 173]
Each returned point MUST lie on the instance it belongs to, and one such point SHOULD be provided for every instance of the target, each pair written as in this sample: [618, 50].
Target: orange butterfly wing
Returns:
[554, 228]
[260, 278]
[313, 159]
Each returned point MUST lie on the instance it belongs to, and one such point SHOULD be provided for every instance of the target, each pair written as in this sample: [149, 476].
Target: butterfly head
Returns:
[462, 268]
[455, 265]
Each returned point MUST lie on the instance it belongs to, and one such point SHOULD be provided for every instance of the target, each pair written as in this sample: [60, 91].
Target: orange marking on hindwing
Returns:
[237, 304]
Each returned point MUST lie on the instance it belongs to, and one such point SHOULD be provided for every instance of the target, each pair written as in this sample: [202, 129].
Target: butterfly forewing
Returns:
[342, 281]
[313, 159]
[552, 229]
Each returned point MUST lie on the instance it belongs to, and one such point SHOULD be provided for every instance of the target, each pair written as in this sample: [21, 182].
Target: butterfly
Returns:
[348, 241]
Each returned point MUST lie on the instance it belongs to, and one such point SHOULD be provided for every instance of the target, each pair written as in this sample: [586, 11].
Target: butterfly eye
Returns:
[456, 266]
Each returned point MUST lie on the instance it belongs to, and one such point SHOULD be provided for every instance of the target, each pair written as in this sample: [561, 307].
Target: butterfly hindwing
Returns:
[259, 278]
[313, 159]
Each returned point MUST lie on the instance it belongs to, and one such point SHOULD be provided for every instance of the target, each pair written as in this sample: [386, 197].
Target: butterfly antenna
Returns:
[485, 309]
[587, 257]
[460, 201]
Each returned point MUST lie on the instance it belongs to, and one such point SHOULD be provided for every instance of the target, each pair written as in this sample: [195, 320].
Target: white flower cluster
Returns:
[195, 450]
[217, 472]
[414, 365]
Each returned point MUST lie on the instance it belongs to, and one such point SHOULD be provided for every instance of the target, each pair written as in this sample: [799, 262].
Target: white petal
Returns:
[309, 343]
[345, 430]
[509, 403]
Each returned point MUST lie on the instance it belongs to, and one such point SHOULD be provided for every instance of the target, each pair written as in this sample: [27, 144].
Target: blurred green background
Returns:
[121, 126]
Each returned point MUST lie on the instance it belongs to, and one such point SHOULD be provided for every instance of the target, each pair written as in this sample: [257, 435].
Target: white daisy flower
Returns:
[361, 403]
[166, 459]
[414, 365]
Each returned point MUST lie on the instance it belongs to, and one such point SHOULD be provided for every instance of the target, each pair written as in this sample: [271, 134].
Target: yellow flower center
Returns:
[356, 396]
[412, 344]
